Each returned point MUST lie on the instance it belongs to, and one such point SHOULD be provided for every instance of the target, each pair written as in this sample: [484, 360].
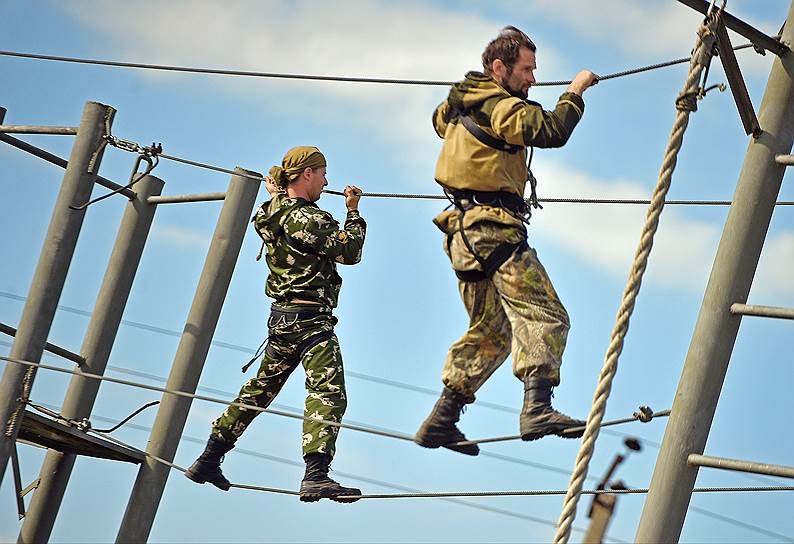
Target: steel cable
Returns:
[451, 494]
[309, 77]
[273, 458]
[282, 413]
[638, 416]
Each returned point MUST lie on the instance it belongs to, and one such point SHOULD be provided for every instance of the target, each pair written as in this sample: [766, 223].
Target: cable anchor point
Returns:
[149, 155]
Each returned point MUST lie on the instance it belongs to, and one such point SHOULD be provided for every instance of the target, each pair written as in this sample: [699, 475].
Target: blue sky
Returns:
[399, 308]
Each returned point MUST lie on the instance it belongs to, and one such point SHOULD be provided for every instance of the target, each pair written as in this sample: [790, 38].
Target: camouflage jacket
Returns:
[304, 243]
[467, 163]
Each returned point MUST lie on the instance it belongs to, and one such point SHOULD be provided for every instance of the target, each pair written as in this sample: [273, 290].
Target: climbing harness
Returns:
[280, 317]
[484, 138]
[464, 200]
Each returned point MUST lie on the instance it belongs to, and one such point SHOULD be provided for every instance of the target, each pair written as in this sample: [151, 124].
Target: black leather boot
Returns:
[439, 428]
[539, 419]
[317, 485]
[207, 467]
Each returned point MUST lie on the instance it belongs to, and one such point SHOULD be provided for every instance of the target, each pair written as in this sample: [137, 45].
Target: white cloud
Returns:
[773, 280]
[180, 236]
[649, 30]
[607, 236]
[353, 38]
[406, 40]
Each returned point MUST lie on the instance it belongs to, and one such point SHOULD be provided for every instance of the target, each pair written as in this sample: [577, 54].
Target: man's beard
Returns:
[518, 93]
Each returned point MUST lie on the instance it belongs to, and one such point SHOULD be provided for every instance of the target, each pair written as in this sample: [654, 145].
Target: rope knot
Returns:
[644, 414]
[687, 102]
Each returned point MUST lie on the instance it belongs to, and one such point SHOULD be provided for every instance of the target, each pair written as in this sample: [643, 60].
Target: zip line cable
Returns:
[309, 77]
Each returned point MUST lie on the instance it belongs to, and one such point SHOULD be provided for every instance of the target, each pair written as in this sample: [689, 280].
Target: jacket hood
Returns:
[270, 217]
[473, 90]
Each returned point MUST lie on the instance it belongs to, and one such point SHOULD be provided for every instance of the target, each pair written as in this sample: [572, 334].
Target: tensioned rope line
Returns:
[445, 494]
[405, 489]
[685, 104]
[344, 79]
[566, 200]
[483, 453]
[644, 416]
[500, 457]
[549, 200]
[252, 453]
[283, 413]
[381, 483]
[349, 373]
[448, 494]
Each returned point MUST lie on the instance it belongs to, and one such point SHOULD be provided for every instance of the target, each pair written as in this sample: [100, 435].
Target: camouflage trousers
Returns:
[515, 311]
[325, 381]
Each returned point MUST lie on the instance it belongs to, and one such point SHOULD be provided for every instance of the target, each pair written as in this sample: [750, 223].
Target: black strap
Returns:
[491, 264]
[484, 138]
[501, 199]
[302, 347]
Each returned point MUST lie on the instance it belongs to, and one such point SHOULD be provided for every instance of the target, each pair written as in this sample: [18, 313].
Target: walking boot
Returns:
[539, 419]
[439, 428]
[207, 467]
[317, 485]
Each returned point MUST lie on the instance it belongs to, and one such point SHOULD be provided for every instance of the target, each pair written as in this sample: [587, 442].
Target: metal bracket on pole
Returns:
[736, 81]
[29, 129]
[697, 460]
[762, 311]
[178, 199]
[17, 482]
[52, 348]
[761, 42]
[785, 160]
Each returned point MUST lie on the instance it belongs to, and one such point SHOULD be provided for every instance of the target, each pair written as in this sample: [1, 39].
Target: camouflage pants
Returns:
[517, 310]
[325, 381]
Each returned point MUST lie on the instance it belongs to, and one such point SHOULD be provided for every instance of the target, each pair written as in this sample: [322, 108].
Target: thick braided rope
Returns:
[685, 105]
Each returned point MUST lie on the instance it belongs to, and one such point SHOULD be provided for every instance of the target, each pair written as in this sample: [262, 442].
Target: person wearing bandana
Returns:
[302, 245]
[487, 123]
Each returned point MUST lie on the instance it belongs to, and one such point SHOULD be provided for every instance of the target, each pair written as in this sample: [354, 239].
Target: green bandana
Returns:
[295, 162]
